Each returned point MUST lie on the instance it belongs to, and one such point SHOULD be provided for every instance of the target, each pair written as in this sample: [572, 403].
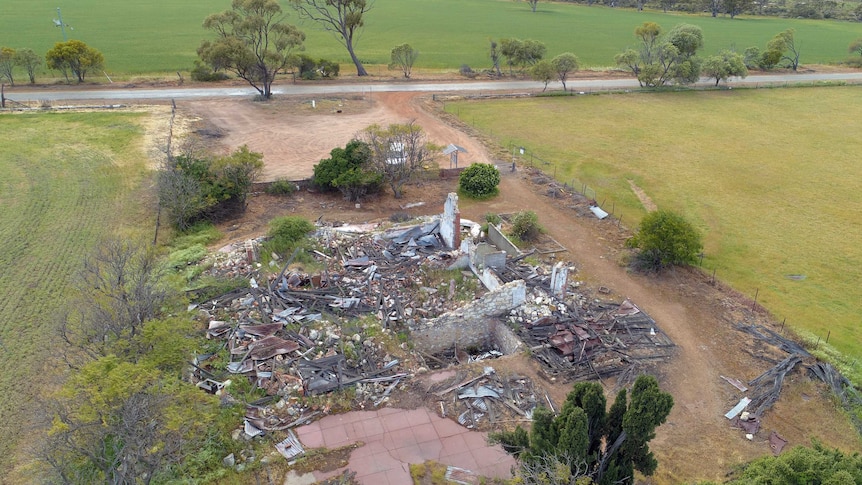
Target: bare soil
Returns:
[697, 442]
[293, 134]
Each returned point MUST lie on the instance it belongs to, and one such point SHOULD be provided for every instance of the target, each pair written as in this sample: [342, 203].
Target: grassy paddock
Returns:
[772, 177]
[160, 36]
[58, 200]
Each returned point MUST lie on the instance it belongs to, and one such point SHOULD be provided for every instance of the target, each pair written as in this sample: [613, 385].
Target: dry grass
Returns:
[68, 180]
[770, 176]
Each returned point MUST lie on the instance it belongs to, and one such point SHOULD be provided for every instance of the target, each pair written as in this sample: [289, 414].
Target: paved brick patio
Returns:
[395, 438]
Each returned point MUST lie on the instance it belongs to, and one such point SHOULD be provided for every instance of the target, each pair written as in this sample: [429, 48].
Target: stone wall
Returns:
[471, 325]
[505, 338]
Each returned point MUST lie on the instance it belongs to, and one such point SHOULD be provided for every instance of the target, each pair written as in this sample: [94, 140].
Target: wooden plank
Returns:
[735, 383]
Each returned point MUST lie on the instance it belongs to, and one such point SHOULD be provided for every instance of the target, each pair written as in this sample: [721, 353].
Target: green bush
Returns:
[307, 68]
[349, 170]
[285, 232]
[525, 226]
[203, 232]
[802, 464]
[480, 181]
[664, 239]
[204, 73]
[281, 187]
[328, 69]
[186, 256]
[492, 218]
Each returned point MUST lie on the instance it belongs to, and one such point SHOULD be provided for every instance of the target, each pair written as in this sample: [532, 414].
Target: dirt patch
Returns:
[294, 133]
[697, 314]
[648, 204]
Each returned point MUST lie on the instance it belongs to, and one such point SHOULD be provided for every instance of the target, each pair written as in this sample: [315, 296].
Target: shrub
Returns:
[480, 181]
[514, 442]
[753, 58]
[467, 71]
[204, 73]
[203, 232]
[307, 67]
[492, 218]
[186, 256]
[285, 232]
[400, 217]
[664, 239]
[349, 170]
[525, 226]
[328, 69]
[281, 187]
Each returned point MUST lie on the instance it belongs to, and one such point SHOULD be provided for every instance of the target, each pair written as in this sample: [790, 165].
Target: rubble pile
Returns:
[287, 334]
[488, 399]
[237, 260]
[588, 339]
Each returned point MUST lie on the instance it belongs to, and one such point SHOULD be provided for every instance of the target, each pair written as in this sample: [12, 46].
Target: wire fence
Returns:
[568, 187]
[578, 191]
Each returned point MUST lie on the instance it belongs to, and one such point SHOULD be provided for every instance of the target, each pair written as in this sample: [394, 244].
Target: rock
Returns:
[236, 434]
[313, 334]
[229, 461]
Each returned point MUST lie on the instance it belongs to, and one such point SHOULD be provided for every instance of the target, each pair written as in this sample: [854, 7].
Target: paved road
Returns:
[129, 94]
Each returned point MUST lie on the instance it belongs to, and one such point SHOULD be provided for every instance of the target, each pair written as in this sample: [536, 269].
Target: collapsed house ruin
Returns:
[294, 334]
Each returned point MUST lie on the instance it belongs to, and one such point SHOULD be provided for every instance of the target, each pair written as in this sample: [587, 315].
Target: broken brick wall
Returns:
[472, 325]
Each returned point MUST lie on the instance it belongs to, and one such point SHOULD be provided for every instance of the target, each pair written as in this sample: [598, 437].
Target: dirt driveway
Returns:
[293, 136]
[697, 442]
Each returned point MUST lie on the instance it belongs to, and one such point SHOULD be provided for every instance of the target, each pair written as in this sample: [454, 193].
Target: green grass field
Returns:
[771, 177]
[160, 36]
[58, 199]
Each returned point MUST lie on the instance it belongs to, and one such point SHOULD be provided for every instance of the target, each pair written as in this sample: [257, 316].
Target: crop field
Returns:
[161, 36]
[771, 177]
[58, 199]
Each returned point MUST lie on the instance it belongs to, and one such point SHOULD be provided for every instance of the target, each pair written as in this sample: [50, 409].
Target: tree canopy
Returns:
[125, 415]
[349, 170]
[253, 41]
[565, 64]
[521, 53]
[724, 65]
[479, 181]
[29, 60]
[802, 464]
[402, 57]
[596, 444]
[664, 58]
[7, 63]
[192, 188]
[343, 18]
[543, 71]
[665, 239]
[74, 57]
[783, 47]
[398, 152]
